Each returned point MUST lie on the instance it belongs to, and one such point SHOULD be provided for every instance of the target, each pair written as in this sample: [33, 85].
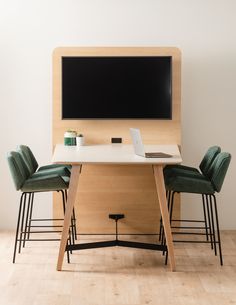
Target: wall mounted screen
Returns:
[111, 87]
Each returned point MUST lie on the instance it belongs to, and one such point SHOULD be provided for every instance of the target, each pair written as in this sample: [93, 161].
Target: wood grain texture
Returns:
[117, 276]
[161, 192]
[110, 189]
[72, 193]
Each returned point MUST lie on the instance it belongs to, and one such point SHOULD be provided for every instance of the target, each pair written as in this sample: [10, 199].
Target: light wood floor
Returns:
[120, 276]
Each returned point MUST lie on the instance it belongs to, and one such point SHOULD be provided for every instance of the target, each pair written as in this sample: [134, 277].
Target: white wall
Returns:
[204, 30]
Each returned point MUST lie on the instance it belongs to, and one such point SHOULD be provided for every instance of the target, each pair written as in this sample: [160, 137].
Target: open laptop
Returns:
[139, 148]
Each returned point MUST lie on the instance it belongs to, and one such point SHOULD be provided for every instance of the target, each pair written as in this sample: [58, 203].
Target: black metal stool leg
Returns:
[209, 221]
[69, 239]
[161, 225]
[74, 223]
[17, 226]
[27, 218]
[205, 219]
[160, 229]
[71, 234]
[166, 258]
[22, 222]
[218, 230]
[73, 220]
[170, 208]
[213, 225]
[30, 215]
[169, 196]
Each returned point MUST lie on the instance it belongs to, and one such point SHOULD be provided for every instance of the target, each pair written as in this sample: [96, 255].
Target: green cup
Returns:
[70, 138]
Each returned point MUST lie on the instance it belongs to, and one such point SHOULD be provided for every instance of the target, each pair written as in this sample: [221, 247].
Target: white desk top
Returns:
[113, 154]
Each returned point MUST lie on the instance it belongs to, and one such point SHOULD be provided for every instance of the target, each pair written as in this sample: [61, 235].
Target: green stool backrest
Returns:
[18, 169]
[219, 169]
[28, 157]
[207, 160]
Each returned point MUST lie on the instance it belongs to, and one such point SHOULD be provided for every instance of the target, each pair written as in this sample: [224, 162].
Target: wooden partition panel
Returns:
[117, 188]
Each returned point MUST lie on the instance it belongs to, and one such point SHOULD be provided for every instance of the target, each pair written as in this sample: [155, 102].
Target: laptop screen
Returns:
[137, 141]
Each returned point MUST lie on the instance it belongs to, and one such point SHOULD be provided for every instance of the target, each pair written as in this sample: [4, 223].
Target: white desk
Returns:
[115, 154]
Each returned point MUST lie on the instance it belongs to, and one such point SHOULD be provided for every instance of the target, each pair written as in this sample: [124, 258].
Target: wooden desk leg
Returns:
[72, 192]
[161, 192]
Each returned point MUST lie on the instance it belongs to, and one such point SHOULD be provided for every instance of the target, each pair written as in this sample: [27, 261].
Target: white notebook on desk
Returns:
[139, 147]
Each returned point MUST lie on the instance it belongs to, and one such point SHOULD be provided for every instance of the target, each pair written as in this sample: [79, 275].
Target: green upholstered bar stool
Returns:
[58, 169]
[206, 186]
[29, 185]
[171, 171]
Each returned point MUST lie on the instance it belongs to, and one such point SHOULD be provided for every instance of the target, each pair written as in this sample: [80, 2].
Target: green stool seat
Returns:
[62, 171]
[45, 183]
[55, 166]
[190, 184]
[178, 168]
[182, 171]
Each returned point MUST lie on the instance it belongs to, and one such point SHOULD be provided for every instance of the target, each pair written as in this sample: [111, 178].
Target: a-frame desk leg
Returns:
[72, 192]
[161, 192]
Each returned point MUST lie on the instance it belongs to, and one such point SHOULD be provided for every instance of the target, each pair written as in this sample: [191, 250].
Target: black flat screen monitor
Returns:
[111, 87]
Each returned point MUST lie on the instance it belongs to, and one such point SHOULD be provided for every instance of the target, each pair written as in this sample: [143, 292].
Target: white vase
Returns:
[79, 141]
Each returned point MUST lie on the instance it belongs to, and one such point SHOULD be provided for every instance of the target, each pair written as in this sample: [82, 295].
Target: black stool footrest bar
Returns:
[187, 220]
[188, 233]
[41, 239]
[197, 228]
[46, 219]
[194, 241]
